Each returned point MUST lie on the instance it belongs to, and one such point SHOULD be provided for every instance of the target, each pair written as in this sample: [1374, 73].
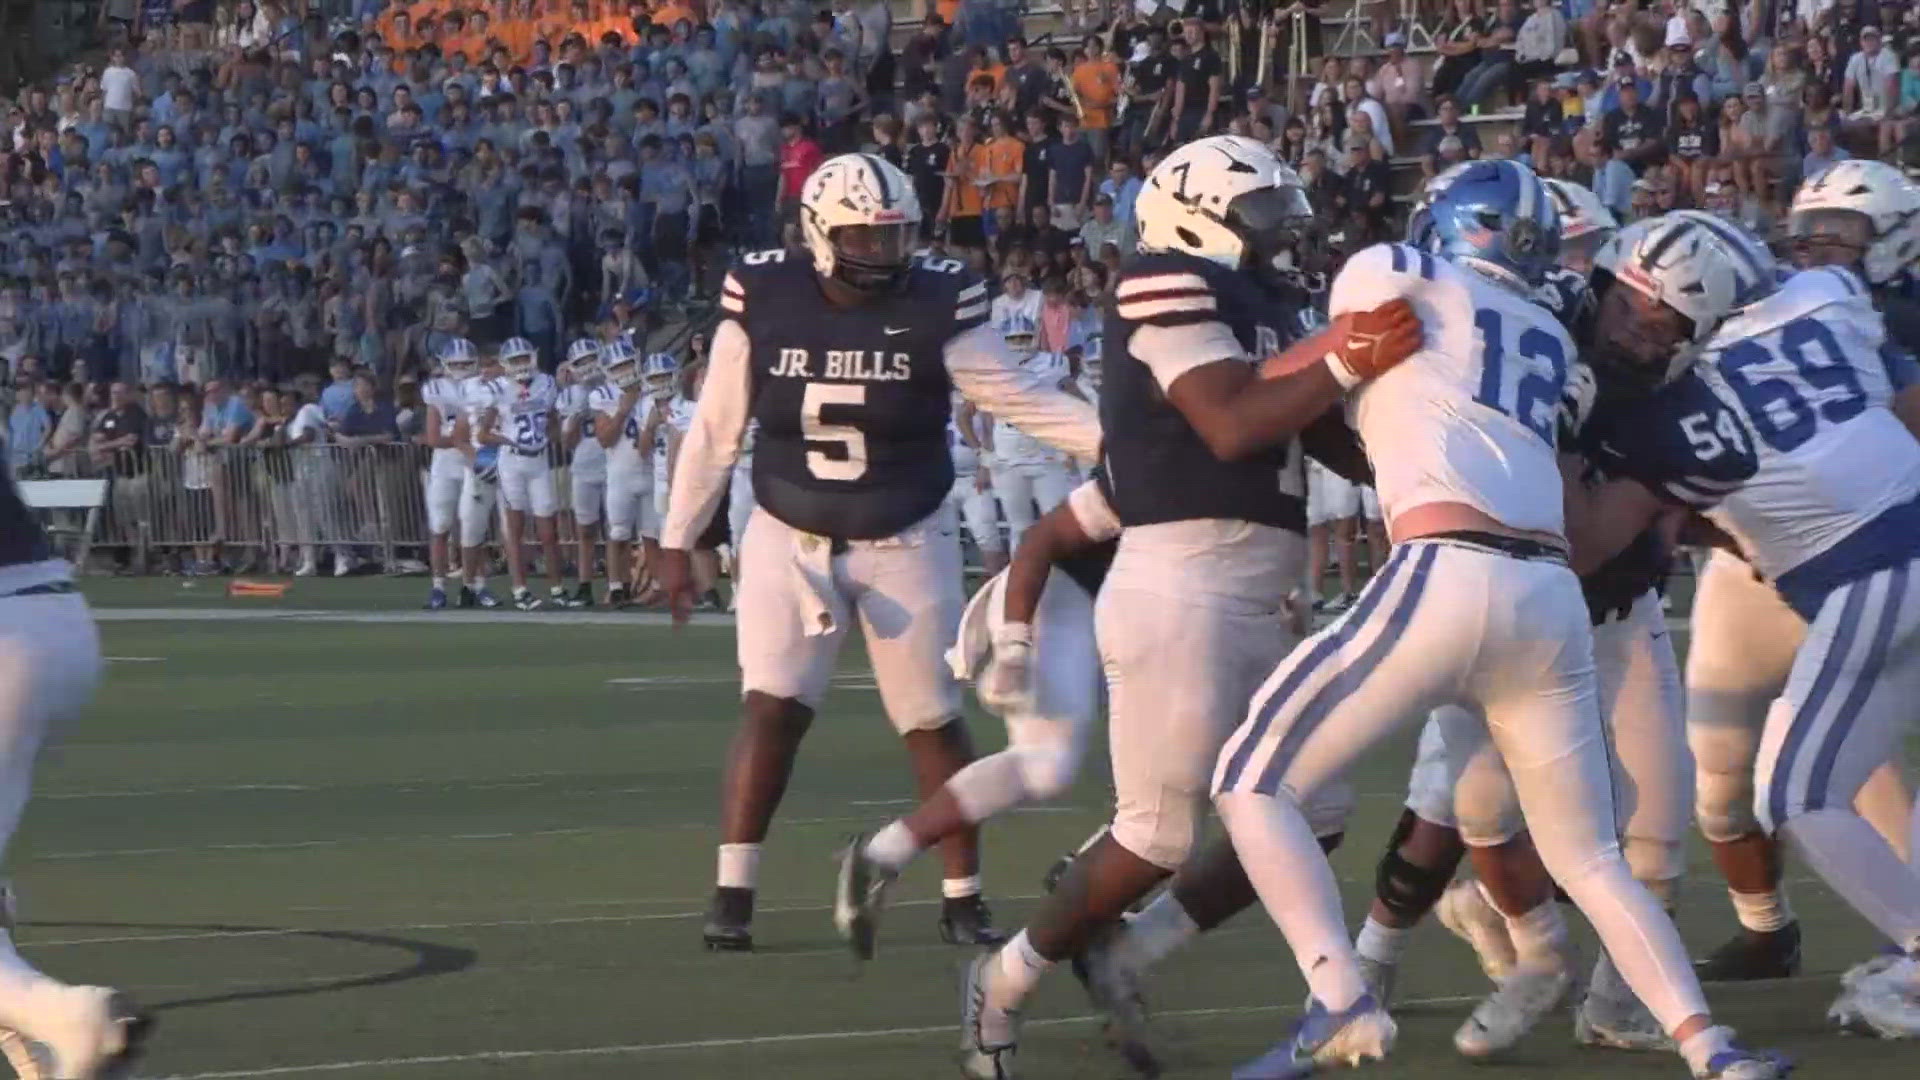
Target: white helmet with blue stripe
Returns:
[659, 372]
[620, 364]
[1492, 215]
[1698, 265]
[1021, 334]
[583, 360]
[519, 358]
[458, 359]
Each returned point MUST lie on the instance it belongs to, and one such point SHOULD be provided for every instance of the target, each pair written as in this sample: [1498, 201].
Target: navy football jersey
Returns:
[1158, 466]
[852, 403]
[22, 540]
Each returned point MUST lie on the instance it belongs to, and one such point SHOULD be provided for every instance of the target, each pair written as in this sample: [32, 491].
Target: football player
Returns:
[1864, 215]
[629, 474]
[1028, 477]
[665, 428]
[972, 494]
[521, 424]
[49, 666]
[1820, 500]
[481, 397]
[1207, 484]
[847, 358]
[587, 464]
[1585, 223]
[1462, 443]
[444, 397]
[667, 410]
[1028, 637]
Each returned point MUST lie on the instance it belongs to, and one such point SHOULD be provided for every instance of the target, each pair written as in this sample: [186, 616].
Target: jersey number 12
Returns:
[1521, 390]
[851, 462]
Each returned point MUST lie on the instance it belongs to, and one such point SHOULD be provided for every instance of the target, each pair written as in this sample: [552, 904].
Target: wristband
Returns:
[1342, 374]
[1013, 633]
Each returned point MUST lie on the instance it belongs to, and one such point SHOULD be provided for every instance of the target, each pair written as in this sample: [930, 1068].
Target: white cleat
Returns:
[1738, 1064]
[1885, 1005]
[77, 1033]
[1520, 1001]
[1618, 1025]
[1113, 986]
[1379, 976]
[1464, 910]
[1868, 969]
[989, 1037]
[1323, 1040]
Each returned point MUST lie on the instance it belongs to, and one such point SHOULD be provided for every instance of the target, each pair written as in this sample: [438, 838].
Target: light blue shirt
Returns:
[1613, 182]
[336, 399]
[27, 429]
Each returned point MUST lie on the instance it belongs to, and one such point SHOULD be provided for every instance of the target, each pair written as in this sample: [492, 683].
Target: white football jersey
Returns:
[1470, 418]
[447, 394]
[526, 410]
[479, 394]
[589, 457]
[624, 455]
[966, 459]
[1824, 456]
[679, 417]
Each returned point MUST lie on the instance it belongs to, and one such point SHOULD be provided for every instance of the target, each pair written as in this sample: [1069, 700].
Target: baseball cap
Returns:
[1254, 92]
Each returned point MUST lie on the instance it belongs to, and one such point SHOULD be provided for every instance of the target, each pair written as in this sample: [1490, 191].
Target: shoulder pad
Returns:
[1168, 289]
[1799, 295]
[1684, 443]
[751, 265]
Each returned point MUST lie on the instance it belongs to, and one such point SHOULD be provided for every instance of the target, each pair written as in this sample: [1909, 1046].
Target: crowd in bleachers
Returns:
[232, 197]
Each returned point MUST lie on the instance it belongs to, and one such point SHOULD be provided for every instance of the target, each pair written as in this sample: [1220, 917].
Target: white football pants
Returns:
[1026, 492]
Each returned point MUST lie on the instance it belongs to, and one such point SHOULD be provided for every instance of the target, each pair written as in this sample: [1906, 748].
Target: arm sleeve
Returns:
[985, 371]
[1091, 511]
[712, 442]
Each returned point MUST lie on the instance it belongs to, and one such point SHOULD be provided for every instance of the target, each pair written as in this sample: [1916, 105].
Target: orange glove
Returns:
[1370, 343]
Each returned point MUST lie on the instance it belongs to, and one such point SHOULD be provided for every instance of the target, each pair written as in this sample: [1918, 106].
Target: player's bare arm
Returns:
[1054, 537]
[1238, 412]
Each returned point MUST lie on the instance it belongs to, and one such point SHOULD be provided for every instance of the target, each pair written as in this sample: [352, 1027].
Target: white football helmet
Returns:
[620, 364]
[1856, 192]
[1693, 262]
[583, 360]
[659, 372]
[1020, 333]
[458, 358]
[858, 215]
[519, 359]
[1585, 221]
[1225, 198]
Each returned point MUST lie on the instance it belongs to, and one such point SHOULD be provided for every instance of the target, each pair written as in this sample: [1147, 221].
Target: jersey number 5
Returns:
[1525, 393]
[851, 462]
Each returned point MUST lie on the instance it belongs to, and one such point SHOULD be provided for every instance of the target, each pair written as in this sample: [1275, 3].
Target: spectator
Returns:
[1542, 121]
[1822, 153]
[1071, 165]
[1015, 302]
[1538, 43]
[29, 424]
[1397, 85]
[1369, 188]
[1360, 103]
[369, 420]
[1103, 228]
[1681, 76]
[337, 398]
[1122, 187]
[119, 89]
[1611, 178]
[224, 418]
[1449, 127]
[1747, 144]
[1199, 86]
[120, 433]
[1872, 84]
[1632, 130]
[1458, 42]
[1904, 120]
[1694, 144]
[66, 448]
[1498, 33]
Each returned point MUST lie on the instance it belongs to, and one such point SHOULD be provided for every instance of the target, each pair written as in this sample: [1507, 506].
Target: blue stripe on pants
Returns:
[1335, 636]
[1822, 774]
[1809, 713]
[1350, 678]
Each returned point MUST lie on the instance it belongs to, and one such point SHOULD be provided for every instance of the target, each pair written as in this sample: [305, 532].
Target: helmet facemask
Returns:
[1272, 224]
[1829, 236]
[1635, 342]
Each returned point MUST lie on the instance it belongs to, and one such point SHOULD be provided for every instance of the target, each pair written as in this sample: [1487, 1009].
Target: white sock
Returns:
[893, 847]
[1154, 934]
[1539, 936]
[476, 583]
[739, 866]
[1607, 985]
[989, 786]
[1381, 943]
[1762, 913]
[959, 888]
[1857, 863]
[20, 984]
[439, 582]
[1699, 1047]
[1296, 886]
[1016, 970]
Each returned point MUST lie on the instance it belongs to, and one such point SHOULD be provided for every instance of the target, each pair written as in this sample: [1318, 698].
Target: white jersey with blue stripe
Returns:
[526, 409]
[679, 417]
[447, 394]
[1784, 436]
[477, 395]
[1469, 418]
[589, 457]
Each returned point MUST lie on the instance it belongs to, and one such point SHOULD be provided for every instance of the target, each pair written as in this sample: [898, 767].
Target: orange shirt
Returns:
[1004, 157]
[964, 199]
[671, 12]
[1097, 82]
[947, 9]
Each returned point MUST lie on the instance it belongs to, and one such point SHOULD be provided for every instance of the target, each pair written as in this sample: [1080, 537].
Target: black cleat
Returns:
[965, 920]
[618, 597]
[582, 597]
[1753, 955]
[729, 921]
[467, 598]
[858, 894]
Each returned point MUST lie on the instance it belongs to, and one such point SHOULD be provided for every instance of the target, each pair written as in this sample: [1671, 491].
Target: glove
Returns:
[1372, 342]
[1576, 403]
[486, 465]
[1006, 686]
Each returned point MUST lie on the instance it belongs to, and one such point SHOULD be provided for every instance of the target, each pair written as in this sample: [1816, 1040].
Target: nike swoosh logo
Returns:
[892, 330]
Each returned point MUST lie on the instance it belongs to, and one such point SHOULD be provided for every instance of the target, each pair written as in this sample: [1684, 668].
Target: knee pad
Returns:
[1654, 861]
[1047, 769]
[1407, 890]
[1724, 800]
[1164, 836]
[620, 534]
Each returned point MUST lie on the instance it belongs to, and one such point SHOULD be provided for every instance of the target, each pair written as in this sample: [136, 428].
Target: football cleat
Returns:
[1113, 987]
[468, 598]
[1618, 1025]
[965, 920]
[484, 597]
[557, 596]
[618, 596]
[525, 600]
[1867, 969]
[729, 921]
[1515, 1006]
[989, 1037]
[1753, 954]
[1321, 1040]
[1464, 910]
[1885, 1005]
[858, 896]
[437, 599]
[1379, 978]
[79, 1033]
[1738, 1064]
[582, 597]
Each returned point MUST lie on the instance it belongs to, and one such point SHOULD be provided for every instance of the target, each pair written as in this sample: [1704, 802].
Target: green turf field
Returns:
[463, 849]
